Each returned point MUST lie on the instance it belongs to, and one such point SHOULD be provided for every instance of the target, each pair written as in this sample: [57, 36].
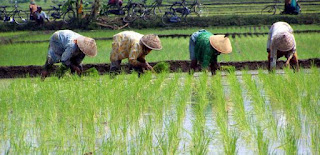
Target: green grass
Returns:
[161, 114]
[45, 35]
[250, 48]
[224, 9]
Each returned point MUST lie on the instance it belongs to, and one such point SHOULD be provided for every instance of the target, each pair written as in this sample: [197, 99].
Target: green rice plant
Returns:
[239, 112]
[91, 72]
[150, 114]
[169, 142]
[290, 144]
[228, 69]
[262, 142]
[221, 108]
[261, 110]
[315, 139]
[289, 105]
[201, 136]
[184, 98]
[162, 67]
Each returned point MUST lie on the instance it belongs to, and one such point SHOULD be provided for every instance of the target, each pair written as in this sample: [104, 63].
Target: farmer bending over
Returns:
[135, 47]
[205, 48]
[280, 43]
[69, 48]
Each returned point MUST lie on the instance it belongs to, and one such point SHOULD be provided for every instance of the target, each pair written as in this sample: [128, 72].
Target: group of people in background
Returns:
[37, 14]
[70, 48]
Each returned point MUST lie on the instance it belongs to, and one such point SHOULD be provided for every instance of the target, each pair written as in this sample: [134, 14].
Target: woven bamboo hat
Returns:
[283, 41]
[152, 41]
[87, 45]
[221, 43]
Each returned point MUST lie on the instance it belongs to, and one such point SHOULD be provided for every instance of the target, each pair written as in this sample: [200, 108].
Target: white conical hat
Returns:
[152, 41]
[221, 43]
[87, 45]
[283, 41]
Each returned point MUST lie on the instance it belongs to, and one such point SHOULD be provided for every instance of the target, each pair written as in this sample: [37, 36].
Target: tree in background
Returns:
[95, 9]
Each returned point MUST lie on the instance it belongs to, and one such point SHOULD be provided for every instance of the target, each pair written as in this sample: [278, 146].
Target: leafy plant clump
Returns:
[229, 69]
[91, 72]
[162, 67]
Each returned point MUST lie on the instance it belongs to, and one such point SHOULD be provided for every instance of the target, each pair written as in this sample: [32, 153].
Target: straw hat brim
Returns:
[221, 43]
[87, 45]
[283, 41]
[151, 41]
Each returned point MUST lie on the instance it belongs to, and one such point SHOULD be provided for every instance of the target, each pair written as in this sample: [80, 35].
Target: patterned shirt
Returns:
[126, 44]
[63, 48]
[205, 53]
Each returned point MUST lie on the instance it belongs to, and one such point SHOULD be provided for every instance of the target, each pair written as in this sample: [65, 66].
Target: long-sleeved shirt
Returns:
[42, 15]
[204, 52]
[276, 28]
[192, 43]
[126, 44]
[63, 48]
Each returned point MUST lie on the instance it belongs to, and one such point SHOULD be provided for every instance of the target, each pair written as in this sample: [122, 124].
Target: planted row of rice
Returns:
[163, 113]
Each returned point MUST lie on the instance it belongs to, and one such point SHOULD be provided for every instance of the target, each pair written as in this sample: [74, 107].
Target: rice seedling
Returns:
[238, 109]
[161, 114]
[221, 108]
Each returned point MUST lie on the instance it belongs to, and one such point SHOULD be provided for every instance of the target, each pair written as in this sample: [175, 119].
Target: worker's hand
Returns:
[44, 74]
[149, 67]
[77, 69]
[146, 66]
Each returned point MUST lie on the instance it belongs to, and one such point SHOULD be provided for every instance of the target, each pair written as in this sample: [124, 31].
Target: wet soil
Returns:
[175, 66]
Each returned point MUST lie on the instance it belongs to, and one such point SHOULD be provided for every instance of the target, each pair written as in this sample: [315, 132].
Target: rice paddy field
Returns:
[245, 48]
[233, 112]
[216, 7]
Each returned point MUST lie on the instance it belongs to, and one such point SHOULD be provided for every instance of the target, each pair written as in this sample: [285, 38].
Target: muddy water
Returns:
[243, 146]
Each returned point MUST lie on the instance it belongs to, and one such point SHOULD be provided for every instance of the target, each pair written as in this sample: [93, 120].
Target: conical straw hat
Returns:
[152, 41]
[87, 45]
[283, 41]
[221, 43]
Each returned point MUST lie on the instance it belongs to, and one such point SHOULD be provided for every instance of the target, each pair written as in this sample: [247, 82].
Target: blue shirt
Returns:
[62, 47]
[192, 43]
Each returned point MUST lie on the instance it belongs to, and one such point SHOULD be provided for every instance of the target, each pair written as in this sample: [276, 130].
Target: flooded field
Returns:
[241, 112]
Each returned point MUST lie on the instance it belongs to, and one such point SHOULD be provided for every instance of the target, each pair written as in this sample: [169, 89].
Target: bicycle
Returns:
[18, 16]
[196, 7]
[131, 11]
[179, 11]
[272, 9]
[153, 10]
[68, 16]
[111, 9]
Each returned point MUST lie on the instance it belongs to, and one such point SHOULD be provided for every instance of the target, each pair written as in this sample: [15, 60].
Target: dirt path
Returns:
[175, 66]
